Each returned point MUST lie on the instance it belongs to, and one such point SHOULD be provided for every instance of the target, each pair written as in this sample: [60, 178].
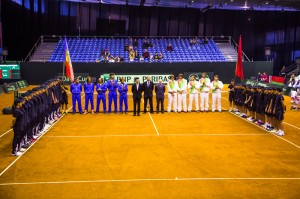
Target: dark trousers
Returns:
[136, 102]
[160, 102]
[16, 145]
[146, 102]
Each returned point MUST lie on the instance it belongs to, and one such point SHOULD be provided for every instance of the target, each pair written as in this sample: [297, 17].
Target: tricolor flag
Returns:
[239, 71]
[277, 80]
[68, 63]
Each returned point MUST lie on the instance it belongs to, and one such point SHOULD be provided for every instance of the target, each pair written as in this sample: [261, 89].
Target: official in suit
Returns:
[160, 95]
[148, 87]
[137, 90]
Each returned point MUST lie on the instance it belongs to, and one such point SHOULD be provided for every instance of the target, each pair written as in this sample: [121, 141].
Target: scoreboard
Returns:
[10, 71]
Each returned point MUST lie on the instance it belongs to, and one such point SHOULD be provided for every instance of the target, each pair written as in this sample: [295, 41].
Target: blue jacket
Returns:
[123, 89]
[101, 89]
[89, 88]
[112, 85]
[76, 88]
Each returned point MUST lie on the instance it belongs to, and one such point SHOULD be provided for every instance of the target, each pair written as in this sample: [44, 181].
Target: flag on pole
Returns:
[239, 71]
[68, 63]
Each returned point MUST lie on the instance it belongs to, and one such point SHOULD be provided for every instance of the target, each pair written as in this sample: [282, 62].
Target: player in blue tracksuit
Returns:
[76, 89]
[89, 95]
[112, 86]
[123, 88]
[101, 89]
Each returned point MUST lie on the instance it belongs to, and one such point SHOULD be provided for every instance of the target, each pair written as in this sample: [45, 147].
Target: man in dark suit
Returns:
[137, 90]
[148, 87]
[160, 95]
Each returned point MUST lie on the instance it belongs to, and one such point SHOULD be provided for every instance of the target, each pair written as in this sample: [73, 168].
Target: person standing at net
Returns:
[181, 91]
[172, 94]
[101, 88]
[76, 89]
[217, 87]
[160, 96]
[193, 87]
[89, 95]
[204, 84]
[137, 90]
[112, 86]
[123, 88]
[148, 87]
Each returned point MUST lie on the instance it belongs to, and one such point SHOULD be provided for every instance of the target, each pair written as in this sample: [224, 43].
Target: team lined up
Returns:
[177, 94]
[263, 106]
[34, 111]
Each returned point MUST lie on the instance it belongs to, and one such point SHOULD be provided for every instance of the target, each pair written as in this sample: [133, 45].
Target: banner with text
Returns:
[130, 78]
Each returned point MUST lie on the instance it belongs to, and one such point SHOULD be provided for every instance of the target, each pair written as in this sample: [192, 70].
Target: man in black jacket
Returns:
[148, 87]
[136, 90]
[160, 95]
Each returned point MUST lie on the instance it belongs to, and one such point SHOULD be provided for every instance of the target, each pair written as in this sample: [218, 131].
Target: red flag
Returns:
[239, 71]
[68, 63]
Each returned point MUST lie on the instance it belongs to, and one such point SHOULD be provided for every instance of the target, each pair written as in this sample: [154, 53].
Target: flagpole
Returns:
[64, 63]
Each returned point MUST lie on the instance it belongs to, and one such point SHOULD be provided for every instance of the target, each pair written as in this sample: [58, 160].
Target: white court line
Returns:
[292, 125]
[11, 164]
[142, 180]
[6, 133]
[153, 124]
[265, 129]
[152, 135]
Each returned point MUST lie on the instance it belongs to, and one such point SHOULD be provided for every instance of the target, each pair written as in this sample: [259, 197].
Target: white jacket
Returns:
[216, 86]
[204, 87]
[174, 87]
[193, 87]
[182, 85]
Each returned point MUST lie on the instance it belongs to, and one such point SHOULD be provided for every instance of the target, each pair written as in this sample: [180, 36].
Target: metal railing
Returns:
[291, 68]
[33, 49]
[236, 47]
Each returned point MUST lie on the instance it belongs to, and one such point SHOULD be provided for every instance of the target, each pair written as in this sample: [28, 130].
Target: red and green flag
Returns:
[277, 80]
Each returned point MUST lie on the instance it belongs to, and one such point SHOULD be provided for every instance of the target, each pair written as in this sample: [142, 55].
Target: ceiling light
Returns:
[267, 2]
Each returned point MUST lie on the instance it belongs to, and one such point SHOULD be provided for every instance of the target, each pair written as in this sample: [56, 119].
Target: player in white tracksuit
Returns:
[172, 94]
[216, 87]
[181, 92]
[193, 87]
[204, 84]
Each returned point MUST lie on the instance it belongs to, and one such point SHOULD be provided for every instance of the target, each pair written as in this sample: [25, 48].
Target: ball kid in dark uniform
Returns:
[279, 109]
[231, 95]
[18, 126]
[64, 98]
[89, 95]
[101, 88]
[112, 86]
[123, 89]
[76, 89]
[260, 106]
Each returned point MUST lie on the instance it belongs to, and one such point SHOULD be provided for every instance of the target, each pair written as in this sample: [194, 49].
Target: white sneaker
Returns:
[280, 133]
[18, 153]
[22, 150]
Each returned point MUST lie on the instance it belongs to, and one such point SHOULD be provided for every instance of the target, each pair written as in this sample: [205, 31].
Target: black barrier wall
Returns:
[37, 72]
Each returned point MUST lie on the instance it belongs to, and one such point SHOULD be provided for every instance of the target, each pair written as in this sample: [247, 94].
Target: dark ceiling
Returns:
[280, 5]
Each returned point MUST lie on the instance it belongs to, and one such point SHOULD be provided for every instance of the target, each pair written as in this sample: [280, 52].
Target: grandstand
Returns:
[88, 49]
